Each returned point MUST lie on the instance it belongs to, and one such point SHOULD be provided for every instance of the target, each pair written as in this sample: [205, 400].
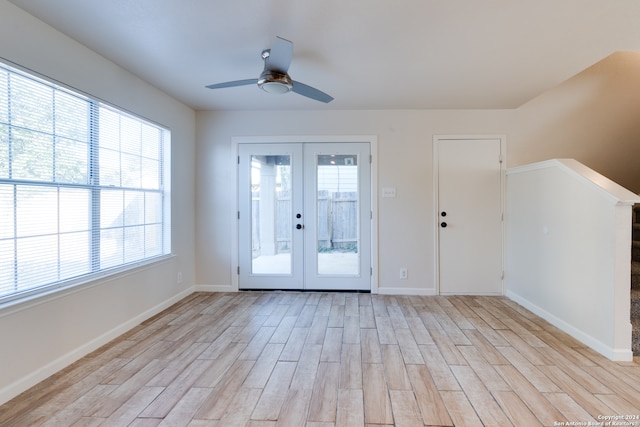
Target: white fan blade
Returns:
[234, 83]
[310, 92]
[280, 55]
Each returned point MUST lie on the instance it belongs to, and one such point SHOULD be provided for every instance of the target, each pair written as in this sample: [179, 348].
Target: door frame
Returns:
[437, 139]
[372, 140]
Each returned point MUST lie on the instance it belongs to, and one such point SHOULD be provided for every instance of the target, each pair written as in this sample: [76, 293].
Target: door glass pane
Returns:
[271, 214]
[337, 208]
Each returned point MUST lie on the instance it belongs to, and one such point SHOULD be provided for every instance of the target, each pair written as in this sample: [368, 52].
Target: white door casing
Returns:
[469, 188]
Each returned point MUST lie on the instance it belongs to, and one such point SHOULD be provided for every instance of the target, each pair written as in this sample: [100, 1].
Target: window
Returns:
[83, 187]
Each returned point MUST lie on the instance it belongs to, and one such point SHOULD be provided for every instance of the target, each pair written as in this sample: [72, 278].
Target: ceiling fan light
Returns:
[275, 87]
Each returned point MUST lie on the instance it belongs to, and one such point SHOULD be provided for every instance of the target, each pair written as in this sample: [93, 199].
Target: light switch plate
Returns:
[388, 191]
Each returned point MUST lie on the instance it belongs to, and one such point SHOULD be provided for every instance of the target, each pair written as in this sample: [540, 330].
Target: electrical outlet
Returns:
[179, 277]
[404, 273]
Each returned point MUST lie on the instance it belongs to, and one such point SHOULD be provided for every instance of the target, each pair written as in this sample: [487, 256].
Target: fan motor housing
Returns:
[275, 82]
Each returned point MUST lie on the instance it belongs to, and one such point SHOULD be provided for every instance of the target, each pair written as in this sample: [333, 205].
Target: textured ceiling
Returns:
[367, 54]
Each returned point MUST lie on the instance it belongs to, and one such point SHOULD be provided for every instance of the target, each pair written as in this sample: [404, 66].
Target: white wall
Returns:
[404, 160]
[43, 336]
[592, 117]
[568, 251]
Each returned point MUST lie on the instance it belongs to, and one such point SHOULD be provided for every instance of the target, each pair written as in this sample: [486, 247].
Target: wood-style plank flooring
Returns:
[335, 359]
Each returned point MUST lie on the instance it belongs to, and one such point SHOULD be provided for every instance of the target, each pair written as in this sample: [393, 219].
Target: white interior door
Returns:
[470, 238]
[304, 216]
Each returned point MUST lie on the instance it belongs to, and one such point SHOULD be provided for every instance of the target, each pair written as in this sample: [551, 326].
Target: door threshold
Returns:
[353, 291]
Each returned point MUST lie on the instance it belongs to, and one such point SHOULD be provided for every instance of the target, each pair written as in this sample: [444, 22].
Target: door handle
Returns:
[299, 226]
[443, 224]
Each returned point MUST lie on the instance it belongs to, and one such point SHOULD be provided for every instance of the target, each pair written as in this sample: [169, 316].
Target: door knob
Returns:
[443, 213]
[298, 216]
[299, 226]
[443, 224]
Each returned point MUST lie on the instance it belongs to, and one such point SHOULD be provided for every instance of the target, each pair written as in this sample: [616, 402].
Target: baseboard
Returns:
[477, 294]
[12, 390]
[215, 288]
[615, 354]
[620, 355]
[406, 291]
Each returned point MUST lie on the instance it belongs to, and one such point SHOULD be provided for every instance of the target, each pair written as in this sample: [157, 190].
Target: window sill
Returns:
[36, 297]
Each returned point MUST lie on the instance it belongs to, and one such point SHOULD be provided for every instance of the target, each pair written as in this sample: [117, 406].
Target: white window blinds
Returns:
[83, 187]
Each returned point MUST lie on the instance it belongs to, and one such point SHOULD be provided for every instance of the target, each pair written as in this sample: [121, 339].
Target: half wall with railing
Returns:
[568, 251]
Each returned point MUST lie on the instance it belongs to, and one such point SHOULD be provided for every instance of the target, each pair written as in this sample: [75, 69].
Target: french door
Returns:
[304, 216]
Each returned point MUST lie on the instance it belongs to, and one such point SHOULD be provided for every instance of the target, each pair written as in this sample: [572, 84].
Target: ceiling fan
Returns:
[274, 78]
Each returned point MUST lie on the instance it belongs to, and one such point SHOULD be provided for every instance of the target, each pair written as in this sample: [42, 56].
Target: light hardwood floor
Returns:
[335, 359]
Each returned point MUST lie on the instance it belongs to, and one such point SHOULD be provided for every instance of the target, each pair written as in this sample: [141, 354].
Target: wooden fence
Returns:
[337, 221]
